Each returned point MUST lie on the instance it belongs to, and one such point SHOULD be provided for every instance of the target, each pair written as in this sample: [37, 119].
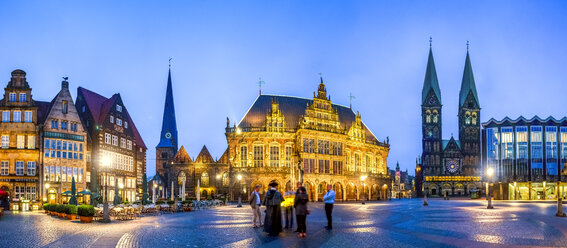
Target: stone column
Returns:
[183, 190]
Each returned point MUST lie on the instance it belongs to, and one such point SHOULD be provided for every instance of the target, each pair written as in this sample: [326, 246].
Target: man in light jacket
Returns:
[255, 204]
[329, 200]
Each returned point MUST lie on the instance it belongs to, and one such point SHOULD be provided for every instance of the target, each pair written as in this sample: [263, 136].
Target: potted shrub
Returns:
[170, 202]
[160, 202]
[61, 210]
[46, 208]
[71, 212]
[86, 213]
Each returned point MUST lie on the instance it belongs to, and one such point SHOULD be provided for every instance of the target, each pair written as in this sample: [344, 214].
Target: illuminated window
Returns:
[205, 179]
[31, 142]
[243, 156]
[21, 142]
[274, 156]
[65, 108]
[225, 181]
[258, 156]
[114, 140]
[288, 156]
[5, 141]
[435, 116]
[123, 142]
[4, 168]
[427, 116]
[107, 138]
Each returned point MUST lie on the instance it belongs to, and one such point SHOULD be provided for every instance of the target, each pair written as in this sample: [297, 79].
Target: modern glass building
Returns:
[528, 156]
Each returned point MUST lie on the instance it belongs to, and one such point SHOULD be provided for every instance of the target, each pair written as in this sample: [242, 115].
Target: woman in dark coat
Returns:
[300, 204]
[272, 201]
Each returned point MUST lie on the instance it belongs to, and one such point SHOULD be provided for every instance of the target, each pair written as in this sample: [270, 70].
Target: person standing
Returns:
[300, 204]
[299, 184]
[255, 204]
[288, 196]
[272, 201]
[329, 199]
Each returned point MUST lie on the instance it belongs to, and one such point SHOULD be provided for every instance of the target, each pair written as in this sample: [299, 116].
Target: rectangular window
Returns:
[22, 97]
[118, 121]
[258, 156]
[75, 173]
[19, 168]
[54, 124]
[243, 156]
[28, 116]
[64, 174]
[111, 119]
[324, 166]
[80, 175]
[305, 145]
[31, 142]
[52, 173]
[311, 146]
[309, 165]
[4, 168]
[17, 116]
[274, 156]
[118, 108]
[507, 143]
[12, 97]
[338, 167]
[5, 116]
[114, 140]
[129, 145]
[5, 141]
[65, 108]
[357, 162]
[288, 156]
[31, 193]
[536, 138]
[107, 138]
[125, 124]
[21, 141]
[64, 125]
[123, 142]
[551, 150]
[74, 127]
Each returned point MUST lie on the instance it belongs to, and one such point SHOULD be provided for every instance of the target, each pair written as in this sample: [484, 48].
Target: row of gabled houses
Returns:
[46, 145]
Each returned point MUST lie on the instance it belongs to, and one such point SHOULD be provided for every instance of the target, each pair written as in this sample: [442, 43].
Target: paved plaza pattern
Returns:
[397, 223]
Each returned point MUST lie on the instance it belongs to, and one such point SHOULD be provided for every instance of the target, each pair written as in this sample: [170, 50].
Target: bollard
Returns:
[425, 200]
[239, 202]
[560, 208]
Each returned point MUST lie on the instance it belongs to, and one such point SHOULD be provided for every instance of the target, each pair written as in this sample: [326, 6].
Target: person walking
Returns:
[329, 199]
[288, 195]
[272, 201]
[299, 184]
[255, 204]
[301, 211]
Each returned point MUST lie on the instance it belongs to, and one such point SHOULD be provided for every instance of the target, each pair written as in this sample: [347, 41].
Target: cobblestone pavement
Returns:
[397, 223]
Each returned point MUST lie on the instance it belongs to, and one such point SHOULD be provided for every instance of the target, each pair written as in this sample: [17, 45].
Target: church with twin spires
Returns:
[450, 166]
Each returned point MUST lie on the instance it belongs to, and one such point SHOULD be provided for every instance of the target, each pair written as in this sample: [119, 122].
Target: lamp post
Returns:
[106, 215]
[154, 194]
[489, 173]
[362, 178]
[239, 177]
[559, 200]
[217, 184]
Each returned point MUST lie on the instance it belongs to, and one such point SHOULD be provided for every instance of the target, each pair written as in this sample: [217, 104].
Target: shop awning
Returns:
[66, 193]
[84, 192]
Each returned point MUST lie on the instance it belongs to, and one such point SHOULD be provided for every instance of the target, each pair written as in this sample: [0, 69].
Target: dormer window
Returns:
[118, 108]
[118, 121]
[125, 124]
[22, 97]
[65, 108]
[111, 119]
[12, 97]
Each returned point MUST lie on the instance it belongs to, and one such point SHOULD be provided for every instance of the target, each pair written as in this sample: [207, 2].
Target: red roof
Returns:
[100, 106]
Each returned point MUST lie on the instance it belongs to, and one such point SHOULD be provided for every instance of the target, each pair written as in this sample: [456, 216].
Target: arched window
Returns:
[435, 116]
[427, 116]
[225, 179]
[181, 178]
[474, 118]
[467, 118]
[205, 179]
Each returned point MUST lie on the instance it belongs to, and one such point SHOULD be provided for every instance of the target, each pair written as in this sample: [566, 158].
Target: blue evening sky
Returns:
[375, 49]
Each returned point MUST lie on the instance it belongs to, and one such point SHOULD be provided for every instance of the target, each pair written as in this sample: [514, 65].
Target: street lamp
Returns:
[106, 213]
[239, 177]
[362, 178]
[489, 173]
[154, 194]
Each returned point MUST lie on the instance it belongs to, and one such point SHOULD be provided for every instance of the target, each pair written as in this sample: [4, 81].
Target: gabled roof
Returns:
[293, 108]
[468, 84]
[43, 109]
[430, 82]
[224, 158]
[449, 141]
[204, 156]
[99, 107]
[182, 157]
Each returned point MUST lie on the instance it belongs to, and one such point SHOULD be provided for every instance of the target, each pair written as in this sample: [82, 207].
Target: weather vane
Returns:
[65, 78]
[467, 45]
[169, 62]
[260, 85]
[430, 40]
[350, 96]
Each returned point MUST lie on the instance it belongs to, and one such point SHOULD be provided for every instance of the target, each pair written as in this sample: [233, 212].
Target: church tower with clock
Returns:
[451, 166]
[167, 147]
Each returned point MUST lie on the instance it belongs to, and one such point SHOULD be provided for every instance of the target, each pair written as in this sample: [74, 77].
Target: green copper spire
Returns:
[430, 83]
[468, 84]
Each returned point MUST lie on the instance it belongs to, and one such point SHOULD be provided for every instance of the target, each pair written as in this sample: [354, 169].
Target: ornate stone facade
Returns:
[287, 139]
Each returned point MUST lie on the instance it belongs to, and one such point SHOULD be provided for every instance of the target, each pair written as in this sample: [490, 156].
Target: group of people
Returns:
[273, 213]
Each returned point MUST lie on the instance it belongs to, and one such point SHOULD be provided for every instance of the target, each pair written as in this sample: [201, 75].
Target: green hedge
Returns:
[71, 209]
[61, 209]
[46, 206]
[86, 210]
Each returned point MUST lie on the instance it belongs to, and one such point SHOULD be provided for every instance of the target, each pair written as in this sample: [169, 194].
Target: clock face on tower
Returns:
[452, 166]
[431, 100]
[168, 135]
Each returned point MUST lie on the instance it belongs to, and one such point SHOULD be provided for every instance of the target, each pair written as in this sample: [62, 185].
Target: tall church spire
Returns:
[430, 83]
[168, 137]
[468, 85]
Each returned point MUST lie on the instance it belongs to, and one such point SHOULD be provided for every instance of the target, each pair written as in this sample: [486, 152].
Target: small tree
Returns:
[145, 191]
[73, 200]
[117, 197]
